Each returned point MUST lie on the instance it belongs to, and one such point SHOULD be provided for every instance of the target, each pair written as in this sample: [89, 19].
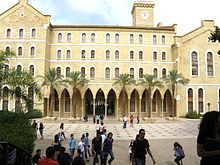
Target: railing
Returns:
[13, 155]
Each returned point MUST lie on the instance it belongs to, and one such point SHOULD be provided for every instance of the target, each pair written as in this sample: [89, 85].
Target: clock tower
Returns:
[143, 13]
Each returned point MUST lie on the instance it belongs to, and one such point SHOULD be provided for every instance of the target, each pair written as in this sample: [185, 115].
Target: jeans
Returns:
[72, 150]
[96, 157]
[139, 161]
[106, 156]
[178, 159]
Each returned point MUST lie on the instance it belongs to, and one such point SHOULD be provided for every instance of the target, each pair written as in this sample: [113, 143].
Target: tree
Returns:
[76, 81]
[52, 79]
[124, 80]
[150, 83]
[215, 36]
[174, 79]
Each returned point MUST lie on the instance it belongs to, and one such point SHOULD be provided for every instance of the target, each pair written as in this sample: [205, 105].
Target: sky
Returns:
[187, 14]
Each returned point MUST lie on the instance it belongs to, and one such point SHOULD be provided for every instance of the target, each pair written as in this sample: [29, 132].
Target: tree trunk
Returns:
[52, 106]
[74, 104]
[123, 102]
[149, 104]
[173, 105]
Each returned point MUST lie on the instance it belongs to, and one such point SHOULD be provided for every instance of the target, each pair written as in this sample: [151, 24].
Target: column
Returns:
[48, 107]
[139, 111]
[82, 108]
[71, 107]
[129, 107]
[106, 108]
[162, 108]
[60, 107]
[93, 107]
[116, 109]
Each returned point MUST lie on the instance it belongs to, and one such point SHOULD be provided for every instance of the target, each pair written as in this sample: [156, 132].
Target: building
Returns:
[101, 53]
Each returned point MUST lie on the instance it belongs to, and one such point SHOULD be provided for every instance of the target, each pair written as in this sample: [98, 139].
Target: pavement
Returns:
[161, 134]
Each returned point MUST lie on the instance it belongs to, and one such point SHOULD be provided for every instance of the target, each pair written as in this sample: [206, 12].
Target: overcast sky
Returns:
[187, 14]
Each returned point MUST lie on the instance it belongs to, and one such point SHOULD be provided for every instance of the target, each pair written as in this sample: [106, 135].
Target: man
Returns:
[36, 157]
[97, 147]
[140, 148]
[72, 145]
[81, 146]
[51, 157]
[107, 148]
[124, 121]
[78, 160]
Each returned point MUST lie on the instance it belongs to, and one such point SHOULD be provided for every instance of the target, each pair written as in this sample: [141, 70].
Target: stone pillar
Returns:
[93, 107]
[106, 108]
[71, 107]
[129, 107]
[82, 108]
[48, 107]
[161, 108]
[60, 107]
[139, 111]
[116, 109]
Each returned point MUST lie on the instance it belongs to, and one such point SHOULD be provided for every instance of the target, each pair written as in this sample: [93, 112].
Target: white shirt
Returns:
[81, 146]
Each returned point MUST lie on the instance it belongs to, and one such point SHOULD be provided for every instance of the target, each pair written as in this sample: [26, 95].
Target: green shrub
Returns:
[34, 114]
[15, 128]
[192, 115]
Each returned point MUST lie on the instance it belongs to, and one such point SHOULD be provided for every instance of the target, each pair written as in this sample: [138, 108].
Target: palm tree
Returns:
[174, 79]
[150, 83]
[52, 79]
[124, 80]
[215, 36]
[76, 81]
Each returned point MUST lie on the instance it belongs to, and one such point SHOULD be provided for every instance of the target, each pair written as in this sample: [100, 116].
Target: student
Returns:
[178, 153]
[50, 157]
[97, 147]
[62, 130]
[130, 149]
[36, 157]
[78, 160]
[124, 121]
[87, 146]
[131, 120]
[209, 129]
[107, 148]
[72, 145]
[41, 127]
[81, 146]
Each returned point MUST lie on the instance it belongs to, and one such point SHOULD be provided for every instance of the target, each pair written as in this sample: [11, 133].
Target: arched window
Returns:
[194, 60]
[5, 98]
[8, 35]
[59, 71]
[92, 73]
[33, 33]
[140, 39]
[107, 55]
[107, 73]
[83, 54]
[200, 100]
[190, 99]
[6, 70]
[154, 39]
[131, 55]
[59, 54]
[131, 72]
[19, 68]
[117, 55]
[31, 70]
[116, 38]
[164, 73]
[93, 37]
[131, 38]
[163, 39]
[210, 71]
[21, 33]
[68, 52]
[154, 56]
[92, 54]
[107, 37]
[140, 55]
[155, 73]
[116, 73]
[20, 51]
[67, 71]
[141, 73]
[60, 37]
[84, 37]
[163, 56]
[69, 37]
[32, 53]
[7, 49]
[83, 72]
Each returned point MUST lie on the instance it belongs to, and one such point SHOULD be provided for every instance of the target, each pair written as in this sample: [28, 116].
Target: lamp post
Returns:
[208, 107]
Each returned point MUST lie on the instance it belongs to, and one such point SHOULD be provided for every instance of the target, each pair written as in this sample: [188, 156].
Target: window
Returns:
[69, 37]
[117, 38]
[154, 56]
[59, 72]
[21, 33]
[194, 60]
[116, 73]
[32, 53]
[60, 37]
[200, 100]
[19, 68]
[31, 70]
[107, 55]
[140, 39]
[67, 71]
[141, 73]
[131, 38]
[59, 54]
[131, 72]
[154, 39]
[84, 37]
[163, 56]
[107, 73]
[131, 55]
[83, 54]
[164, 73]
[8, 35]
[107, 37]
[140, 55]
[7, 49]
[93, 37]
[155, 73]
[117, 55]
[92, 73]
[210, 64]
[20, 51]
[163, 39]
[83, 72]
[190, 99]
[68, 52]
[33, 33]
[6, 69]
[92, 54]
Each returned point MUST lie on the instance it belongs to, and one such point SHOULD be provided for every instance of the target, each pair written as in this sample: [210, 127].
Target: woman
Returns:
[41, 127]
[62, 131]
[209, 129]
[178, 153]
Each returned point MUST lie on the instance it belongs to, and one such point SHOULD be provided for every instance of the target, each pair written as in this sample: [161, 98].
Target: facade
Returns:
[101, 53]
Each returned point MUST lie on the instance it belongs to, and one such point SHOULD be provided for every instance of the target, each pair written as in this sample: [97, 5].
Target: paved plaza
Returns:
[161, 134]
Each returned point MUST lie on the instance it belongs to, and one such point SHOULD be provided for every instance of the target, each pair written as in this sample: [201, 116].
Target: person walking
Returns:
[124, 121]
[81, 146]
[72, 145]
[131, 120]
[107, 148]
[78, 160]
[140, 148]
[130, 150]
[41, 127]
[178, 153]
[35, 128]
[36, 157]
[62, 130]
[50, 157]
[87, 146]
[97, 148]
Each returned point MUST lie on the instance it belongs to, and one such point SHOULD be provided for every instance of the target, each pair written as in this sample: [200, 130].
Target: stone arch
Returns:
[111, 102]
[134, 101]
[123, 104]
[156, 103]
[88, 97]
[65, 102]
[167, 103]
[100, 102]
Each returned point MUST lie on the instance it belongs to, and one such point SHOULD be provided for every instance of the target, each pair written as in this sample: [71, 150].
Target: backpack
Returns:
[181, 152]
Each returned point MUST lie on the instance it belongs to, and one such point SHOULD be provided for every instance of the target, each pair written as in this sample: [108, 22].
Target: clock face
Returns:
[144, 15]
